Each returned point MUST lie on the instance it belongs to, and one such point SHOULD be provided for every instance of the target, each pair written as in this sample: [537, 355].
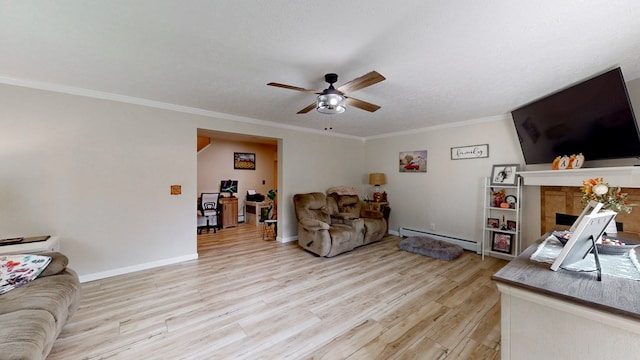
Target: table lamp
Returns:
[377, 179]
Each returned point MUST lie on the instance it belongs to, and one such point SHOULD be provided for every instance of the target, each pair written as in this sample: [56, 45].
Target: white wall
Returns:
[449, 195]
[97, 173]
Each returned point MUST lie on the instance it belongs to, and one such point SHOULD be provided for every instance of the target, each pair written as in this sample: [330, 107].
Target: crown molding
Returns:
[64, 89]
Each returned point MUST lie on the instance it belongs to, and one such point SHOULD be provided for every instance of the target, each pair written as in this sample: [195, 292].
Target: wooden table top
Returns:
[612, 294]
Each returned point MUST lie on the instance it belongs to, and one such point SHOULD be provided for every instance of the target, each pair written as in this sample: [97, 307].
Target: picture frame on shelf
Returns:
[493, 223]
[511, 225]
[244, 161]
[502, 242]
[504, 174]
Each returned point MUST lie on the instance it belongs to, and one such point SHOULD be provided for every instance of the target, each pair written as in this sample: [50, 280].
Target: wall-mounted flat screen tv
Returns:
[229, 186]
[594, 118]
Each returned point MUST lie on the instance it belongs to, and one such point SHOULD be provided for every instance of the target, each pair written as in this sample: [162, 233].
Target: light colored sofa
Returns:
[321, 233]
[375, 224]
[33, 315]
[334, 224]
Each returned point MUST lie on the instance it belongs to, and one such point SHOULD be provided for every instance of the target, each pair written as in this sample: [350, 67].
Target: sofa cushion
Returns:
[57, 295]
[26, 334]
[371, 214]
[312, 206]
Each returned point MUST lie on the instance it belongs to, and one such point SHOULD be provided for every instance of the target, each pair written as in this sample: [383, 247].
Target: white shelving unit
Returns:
[504, 217]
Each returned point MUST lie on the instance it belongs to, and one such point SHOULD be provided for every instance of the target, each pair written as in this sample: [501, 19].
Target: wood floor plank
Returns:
[246, 298]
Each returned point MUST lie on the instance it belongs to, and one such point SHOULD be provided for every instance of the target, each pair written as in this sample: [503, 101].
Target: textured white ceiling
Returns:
[445, 61]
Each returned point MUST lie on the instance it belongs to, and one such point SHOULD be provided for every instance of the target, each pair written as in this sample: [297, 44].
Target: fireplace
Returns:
[568, 220]
[560, 206]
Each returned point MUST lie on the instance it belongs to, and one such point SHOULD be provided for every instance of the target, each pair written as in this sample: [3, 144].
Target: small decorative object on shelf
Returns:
[568, 162]
[498, 196]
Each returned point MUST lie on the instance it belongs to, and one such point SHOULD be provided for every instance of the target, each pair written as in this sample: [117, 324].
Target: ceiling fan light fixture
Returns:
[331, 103]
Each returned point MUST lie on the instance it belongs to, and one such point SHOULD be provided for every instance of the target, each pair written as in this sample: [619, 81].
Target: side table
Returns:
[376, 205]
[35, 247]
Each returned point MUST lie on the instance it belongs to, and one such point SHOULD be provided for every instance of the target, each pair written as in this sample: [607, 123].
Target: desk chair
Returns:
[269, 224]
[208, 208]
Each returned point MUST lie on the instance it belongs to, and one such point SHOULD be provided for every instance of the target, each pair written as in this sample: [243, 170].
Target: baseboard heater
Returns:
[466, 244]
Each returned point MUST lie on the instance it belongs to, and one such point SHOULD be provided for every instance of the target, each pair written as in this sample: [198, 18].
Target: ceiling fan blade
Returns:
[307, 109]
[291, 87]
[361, 104]
[362, 82]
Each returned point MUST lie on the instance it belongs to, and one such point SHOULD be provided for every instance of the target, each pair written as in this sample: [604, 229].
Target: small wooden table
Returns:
[253, 209]
[376, 205]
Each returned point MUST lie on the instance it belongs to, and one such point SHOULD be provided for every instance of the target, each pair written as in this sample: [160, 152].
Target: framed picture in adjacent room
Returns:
[502, 242]
[244, 161]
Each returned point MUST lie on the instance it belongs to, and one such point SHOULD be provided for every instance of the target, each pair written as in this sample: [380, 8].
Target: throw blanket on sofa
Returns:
[342, 190]
[17, 270]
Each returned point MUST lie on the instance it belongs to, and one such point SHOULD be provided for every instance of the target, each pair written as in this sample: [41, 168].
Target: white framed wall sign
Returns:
[470, 152]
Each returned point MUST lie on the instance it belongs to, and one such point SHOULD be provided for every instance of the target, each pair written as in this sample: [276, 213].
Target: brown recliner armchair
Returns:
[375, 223]
[321, 233]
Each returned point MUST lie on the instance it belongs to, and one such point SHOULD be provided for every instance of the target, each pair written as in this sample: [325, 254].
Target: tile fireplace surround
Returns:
[560, 192]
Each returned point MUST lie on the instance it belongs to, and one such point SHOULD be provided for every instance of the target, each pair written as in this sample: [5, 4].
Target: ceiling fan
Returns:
[332, 100]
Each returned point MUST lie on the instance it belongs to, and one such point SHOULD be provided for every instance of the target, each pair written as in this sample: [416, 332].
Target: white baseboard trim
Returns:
[139, 267]
[287, 239]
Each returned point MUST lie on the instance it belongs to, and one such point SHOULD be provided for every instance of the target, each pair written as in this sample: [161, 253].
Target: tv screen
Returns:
[229, 186]
[594, 118]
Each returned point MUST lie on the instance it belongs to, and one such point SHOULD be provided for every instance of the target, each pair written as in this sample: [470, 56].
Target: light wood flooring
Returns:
[245, 298]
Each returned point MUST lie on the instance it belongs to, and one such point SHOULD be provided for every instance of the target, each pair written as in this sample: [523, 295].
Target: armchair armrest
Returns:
[313, 224]
[371, 214]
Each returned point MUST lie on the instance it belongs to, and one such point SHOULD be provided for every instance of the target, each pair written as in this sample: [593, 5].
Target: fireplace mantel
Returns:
[623, 176]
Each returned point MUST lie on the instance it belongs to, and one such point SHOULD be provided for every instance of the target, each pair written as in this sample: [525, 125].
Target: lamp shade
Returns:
[377, 179]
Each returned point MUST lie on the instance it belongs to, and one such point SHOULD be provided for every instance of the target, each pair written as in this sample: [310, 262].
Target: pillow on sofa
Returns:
[342, 190]
[57, 265]
[17, 270]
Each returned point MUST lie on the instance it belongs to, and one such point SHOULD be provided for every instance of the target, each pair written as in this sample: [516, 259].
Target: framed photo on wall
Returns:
[502, 242]
[504, 174]
[413, 161]
[244, 161]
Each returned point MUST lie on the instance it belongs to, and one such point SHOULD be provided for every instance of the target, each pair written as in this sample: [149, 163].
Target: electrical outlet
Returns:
[433, 226]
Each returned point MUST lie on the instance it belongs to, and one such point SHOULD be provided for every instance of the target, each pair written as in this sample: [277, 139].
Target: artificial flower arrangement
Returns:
[612, 198]
[498, 196]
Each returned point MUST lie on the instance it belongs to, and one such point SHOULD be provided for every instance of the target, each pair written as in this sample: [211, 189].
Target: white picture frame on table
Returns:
[590, 228]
